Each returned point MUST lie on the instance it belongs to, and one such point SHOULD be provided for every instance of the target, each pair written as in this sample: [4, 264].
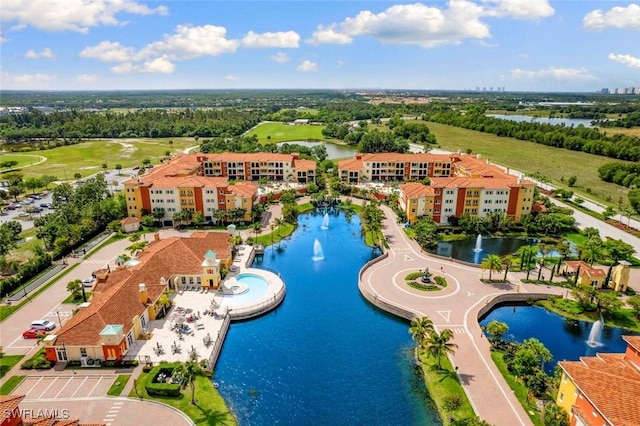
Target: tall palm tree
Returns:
[493, 263]
[439, 345]
[420, 330]
[189, 371]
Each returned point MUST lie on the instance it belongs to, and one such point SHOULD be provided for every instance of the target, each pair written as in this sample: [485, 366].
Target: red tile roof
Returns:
[129, 221]
[8, 403]
[116, 301]
[585, 269]
[611, 384]
[634, 341]
[416, 189]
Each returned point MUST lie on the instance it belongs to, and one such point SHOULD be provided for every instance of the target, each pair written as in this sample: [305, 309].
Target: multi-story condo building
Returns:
[391, 166]
[459, 184]
[203, 183]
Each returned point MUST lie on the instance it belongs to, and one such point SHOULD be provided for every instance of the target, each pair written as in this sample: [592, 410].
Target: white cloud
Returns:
[416, 24]
[429, 26]
[307, 66]
[9, 80]
[160, 65]
[628, 60]
[329, 35]
[192, 42]
[87, 78]
[617, 17]
[519, 9]
[552, 73]
[282, 39]
[340, 64]
[74, 15]
[231, 78]
[280, 57]
[109, 51]
[45, 53]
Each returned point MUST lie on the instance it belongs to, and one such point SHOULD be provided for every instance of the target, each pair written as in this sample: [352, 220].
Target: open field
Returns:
[87, 158]
[619, 130]
[22, 159]
[530, 157]
[281, 132]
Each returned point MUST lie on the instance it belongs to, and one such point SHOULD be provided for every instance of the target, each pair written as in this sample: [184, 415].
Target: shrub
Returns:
[37, 362]
[162, 389]
[452, 403]
[441, 281]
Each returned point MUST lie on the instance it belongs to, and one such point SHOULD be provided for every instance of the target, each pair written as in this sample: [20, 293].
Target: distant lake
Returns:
[543, 120]
[334, 151]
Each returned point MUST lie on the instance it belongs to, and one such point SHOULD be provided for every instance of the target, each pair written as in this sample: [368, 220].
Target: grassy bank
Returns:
[7, 362]
[11, 384]
[446, 390]
[210, 408]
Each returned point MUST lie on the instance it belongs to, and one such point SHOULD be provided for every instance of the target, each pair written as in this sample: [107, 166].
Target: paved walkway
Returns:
[456, 307]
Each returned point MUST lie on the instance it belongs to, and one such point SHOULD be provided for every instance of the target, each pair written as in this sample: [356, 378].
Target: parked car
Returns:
[45, 205]
[23, 214]
[33, 333]
[136, 168]
[43, 325]
[35, 197]
[11, 207]
[87, 282]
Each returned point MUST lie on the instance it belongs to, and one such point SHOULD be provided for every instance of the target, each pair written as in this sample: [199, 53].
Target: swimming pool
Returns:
[257, 288]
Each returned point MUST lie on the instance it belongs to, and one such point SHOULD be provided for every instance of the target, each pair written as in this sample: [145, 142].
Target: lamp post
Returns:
[59, 321]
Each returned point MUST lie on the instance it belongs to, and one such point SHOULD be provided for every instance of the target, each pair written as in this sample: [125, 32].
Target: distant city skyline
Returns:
[504, 45]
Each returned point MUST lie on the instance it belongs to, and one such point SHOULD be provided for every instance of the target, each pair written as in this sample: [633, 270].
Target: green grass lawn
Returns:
[281, 132]
[209, 410]
[26, 159]
[87, 157]
[519, 389]
[8, 362]
[530, 157]
[277, 235]
[118, 385]
[11, 383]
[71, 300]
[578, 239]
[443, 385]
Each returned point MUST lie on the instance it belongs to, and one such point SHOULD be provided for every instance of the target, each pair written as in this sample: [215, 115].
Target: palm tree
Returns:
[420, 330]
[493, 263]
[439, 345]
[189, 371]
[278, 222]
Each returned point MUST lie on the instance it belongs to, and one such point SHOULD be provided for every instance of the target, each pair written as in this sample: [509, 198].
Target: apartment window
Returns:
[83, 352]
[561, 397]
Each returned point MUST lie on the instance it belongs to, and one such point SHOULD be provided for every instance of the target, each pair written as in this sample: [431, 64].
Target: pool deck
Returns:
[206, 332]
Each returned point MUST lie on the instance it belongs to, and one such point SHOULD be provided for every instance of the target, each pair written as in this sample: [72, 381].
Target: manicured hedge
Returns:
[162, 389]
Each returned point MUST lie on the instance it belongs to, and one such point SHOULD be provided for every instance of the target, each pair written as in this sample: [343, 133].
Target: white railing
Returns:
[259, 308]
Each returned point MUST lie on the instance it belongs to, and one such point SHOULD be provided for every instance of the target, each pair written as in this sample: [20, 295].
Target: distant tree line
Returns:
[628, 121]
[247, 144]
[152, 123]
[578, 138]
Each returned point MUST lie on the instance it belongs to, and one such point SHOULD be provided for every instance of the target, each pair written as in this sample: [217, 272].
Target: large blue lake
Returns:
[325, 355]
[565, 338]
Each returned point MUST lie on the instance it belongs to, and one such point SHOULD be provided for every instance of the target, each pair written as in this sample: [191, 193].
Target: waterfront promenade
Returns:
[456, 307]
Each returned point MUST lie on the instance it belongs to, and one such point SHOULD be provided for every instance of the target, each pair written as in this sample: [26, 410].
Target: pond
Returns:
[465, 250]
[325, 355]
[565, 338]
[334, 151]
[545, 120]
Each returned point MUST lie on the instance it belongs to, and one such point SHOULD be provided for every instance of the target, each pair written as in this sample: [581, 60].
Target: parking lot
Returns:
[65, 386]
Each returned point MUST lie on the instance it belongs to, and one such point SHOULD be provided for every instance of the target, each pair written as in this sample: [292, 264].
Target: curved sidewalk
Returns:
[456, 307]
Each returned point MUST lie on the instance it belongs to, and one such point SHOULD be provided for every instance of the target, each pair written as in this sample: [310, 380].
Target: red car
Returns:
[33, 333]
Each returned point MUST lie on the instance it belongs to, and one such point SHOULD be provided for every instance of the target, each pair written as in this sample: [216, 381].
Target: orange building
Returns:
[604, 389]
[129, 297]
[471, 186]
[209, 183]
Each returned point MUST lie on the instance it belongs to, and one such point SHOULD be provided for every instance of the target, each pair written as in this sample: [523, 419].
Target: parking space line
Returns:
[65, 385]
[36, 384]
[95, 386]
[85, 379]
[50, 384]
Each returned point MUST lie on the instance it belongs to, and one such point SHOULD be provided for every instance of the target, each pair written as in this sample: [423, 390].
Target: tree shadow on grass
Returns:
[213, 417]
[465, 379]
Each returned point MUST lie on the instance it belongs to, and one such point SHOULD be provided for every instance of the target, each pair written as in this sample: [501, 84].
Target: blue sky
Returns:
[528, 45]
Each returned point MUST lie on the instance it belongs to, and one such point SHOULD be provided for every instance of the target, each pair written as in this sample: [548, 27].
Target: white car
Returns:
[87, 282]
[23, 214]
[43, 325]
